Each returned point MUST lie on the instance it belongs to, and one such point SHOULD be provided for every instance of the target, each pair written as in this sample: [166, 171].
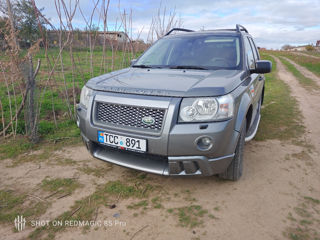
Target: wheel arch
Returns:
[244, 112]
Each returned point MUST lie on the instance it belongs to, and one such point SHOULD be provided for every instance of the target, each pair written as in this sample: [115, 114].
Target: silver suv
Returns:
[185, 107]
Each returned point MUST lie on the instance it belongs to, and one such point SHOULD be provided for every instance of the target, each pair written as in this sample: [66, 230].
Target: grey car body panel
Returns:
[173, 150]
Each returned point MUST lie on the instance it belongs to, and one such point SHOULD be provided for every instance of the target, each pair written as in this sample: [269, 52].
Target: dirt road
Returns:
[267, 203]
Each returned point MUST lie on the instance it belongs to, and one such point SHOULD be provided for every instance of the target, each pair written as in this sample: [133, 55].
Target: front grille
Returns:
[130, 116]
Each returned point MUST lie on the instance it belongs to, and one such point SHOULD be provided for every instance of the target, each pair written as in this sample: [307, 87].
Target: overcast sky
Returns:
[272, 23]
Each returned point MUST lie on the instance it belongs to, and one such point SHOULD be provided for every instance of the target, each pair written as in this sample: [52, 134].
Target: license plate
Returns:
[122, 142]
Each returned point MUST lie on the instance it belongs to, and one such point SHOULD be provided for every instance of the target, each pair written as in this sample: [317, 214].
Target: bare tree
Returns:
[90, 28]
[31, 104]
[162, 22]
[12, 24]
[104, 11]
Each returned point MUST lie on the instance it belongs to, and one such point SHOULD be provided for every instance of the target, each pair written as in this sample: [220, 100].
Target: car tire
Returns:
[234, 170]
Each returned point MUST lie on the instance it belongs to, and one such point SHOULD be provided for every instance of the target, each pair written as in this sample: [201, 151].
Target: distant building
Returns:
[82, 38]
[309, 47]
[115, 36]
[299, 49]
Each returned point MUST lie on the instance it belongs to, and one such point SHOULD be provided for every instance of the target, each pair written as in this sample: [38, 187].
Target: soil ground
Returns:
[279, 177]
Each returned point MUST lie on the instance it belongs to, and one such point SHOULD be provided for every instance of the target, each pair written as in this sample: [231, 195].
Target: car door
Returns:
[254, 87]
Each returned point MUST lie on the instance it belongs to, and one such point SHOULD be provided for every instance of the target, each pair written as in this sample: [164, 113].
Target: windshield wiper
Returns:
[188, 67]
[147, 66]
[142, 66]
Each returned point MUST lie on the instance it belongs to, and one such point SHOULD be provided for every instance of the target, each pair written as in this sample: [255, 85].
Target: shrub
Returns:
[310, 48]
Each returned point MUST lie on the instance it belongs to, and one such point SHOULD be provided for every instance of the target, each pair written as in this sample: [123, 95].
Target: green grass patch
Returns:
[302, 212]
[307, 83]
[98, 171]
[312, 66]
[281, 117]
[190, 216]
[14, 147]
[60, 185]
[156, 202]
[141, 204]
[65, 134]
[13, 204]
[62, 161]
[304, 222]
[313, 200]
[87, 208]
[136, 190]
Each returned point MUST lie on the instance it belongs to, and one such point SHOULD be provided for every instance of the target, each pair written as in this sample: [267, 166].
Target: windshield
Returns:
[193, 52]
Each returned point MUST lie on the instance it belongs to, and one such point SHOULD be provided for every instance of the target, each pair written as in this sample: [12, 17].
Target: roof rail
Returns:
[241, 28]
[178, 29]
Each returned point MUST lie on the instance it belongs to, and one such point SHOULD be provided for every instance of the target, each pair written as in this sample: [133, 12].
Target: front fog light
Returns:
[204, 143]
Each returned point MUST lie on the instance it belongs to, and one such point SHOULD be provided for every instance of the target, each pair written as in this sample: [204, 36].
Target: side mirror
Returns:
[133, 61]
[262, 66]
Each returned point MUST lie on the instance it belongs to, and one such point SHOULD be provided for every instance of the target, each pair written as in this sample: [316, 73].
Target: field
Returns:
[57, 180]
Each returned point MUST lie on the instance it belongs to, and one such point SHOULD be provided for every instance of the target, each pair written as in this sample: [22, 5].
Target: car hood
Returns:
[168, 82]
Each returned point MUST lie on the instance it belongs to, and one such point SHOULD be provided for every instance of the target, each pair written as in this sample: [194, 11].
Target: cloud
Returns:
[272, 23]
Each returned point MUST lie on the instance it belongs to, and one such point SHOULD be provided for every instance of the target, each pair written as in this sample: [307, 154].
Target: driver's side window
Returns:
[249, 53]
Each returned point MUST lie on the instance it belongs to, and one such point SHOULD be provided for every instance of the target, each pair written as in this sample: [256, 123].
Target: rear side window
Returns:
[249, 53]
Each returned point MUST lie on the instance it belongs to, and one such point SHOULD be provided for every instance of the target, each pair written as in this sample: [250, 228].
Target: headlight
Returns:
[206, 109]
[85, 96]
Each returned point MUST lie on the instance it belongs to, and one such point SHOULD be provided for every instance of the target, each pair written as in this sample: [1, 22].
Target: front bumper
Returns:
[176, 165]
[171, 152]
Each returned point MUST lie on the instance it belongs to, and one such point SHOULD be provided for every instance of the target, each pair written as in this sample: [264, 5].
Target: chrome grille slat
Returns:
[129, 116]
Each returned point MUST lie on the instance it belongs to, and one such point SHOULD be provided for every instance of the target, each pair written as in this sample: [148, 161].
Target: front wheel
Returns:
[234, 171]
